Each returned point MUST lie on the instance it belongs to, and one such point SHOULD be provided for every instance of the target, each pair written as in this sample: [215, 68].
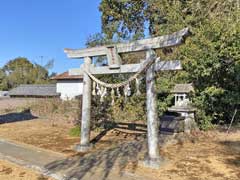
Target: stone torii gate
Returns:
[115, 67]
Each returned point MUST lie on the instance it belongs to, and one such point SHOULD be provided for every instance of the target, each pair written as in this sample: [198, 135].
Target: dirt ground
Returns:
[211, 155]
[10, 171]
[40, 133]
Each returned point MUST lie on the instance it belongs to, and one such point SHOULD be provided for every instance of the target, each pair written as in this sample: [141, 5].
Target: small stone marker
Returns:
[183, 105]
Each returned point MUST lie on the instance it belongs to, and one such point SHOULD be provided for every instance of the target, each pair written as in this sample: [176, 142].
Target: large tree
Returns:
[210, 57]
[123, 19]
[3, 82]
[21, 71]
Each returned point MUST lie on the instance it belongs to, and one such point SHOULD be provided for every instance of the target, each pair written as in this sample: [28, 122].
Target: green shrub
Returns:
[75, 131]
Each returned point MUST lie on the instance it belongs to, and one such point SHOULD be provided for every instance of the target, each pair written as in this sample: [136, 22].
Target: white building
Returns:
[69, 86]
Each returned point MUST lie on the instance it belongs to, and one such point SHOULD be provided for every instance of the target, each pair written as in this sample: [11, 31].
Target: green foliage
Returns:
[123, 19]
[3, 82]
[208, 109]
[210, 57]
[103, 113]
[164, 84]
[130, 110]
[21, 71]
[75, 131]
[97, 39]
[204, 121]
[211, 60]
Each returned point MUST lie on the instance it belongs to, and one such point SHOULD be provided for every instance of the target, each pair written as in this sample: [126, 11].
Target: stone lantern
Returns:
[182, 105]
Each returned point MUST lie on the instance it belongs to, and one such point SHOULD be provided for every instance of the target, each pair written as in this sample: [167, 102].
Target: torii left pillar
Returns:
[153, 158]
[86, 110]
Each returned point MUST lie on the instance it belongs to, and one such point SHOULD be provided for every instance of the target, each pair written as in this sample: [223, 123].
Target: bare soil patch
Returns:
[10, 171]
[40, 133]
[211, 155]
[206, 155]
[37, 130]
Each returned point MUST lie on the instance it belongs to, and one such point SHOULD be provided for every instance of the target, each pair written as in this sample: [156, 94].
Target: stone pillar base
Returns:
[154, 163]
[189, 124]
[83, 148]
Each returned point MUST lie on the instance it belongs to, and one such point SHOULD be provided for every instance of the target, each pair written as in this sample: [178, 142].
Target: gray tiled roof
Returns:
[183, 88]
[34, 90]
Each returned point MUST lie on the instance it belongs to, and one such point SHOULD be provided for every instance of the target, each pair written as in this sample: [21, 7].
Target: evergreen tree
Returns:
[210, 56]
[21, 71]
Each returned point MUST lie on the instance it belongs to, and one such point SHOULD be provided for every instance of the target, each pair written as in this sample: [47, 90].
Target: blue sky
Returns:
[35, 28]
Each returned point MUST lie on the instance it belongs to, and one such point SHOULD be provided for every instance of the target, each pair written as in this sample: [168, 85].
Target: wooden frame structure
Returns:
[114, 66]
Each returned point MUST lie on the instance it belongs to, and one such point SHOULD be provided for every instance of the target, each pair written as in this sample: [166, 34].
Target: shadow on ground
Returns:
[233, 147]
[135, 129]
[105, 161]
[15, 117]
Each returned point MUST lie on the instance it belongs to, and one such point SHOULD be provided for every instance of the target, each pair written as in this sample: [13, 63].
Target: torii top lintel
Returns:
[174, 39]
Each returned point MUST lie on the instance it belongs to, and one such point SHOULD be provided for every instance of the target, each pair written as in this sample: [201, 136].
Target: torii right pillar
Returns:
[153, 158]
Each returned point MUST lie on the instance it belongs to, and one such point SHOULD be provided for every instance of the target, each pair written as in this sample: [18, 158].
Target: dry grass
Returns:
[55, 109]
[50, 108]
[210, 155]
[10, 171]
[40, 133]
[13, 104]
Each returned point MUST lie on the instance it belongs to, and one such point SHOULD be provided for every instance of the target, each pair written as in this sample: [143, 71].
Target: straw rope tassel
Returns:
[138, 87]
[118, 92]
[98, 90]
[125, 90]
[94, 89]
[128, 90]
[112, 95]
[124, 83]
[104, 93]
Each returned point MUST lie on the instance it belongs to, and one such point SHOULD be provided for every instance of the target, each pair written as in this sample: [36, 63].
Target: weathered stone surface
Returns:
[174, 39]
[171, 124]
[86, 107]
[154, 163]
[152, 121]
[83, 148]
